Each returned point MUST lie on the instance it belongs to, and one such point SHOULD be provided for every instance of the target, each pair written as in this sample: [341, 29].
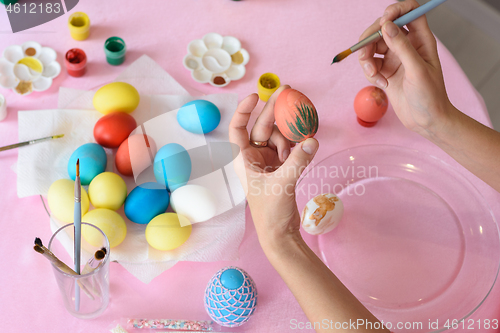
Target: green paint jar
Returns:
[115, 50]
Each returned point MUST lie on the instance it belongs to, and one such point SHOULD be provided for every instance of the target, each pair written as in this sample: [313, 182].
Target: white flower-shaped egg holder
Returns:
[28, 67]
[216, 60]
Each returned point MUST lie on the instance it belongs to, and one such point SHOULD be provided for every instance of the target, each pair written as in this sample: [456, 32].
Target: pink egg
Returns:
[135, 154]
[370, 105]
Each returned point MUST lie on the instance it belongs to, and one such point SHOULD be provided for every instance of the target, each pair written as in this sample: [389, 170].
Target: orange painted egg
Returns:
[370, 105]
[295, 115]
[135, 154]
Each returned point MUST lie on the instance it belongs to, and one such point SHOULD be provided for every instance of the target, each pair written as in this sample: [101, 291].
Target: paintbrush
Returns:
[95, 261]
[78, 230]
[400, 22]
[38, 247]
[26, 143]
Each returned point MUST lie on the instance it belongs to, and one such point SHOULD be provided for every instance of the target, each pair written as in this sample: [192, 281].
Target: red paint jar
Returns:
[76, 62]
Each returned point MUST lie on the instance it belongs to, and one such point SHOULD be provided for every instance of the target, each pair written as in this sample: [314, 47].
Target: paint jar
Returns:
[115, 50]
[8, 2]
[79, 26]
[3, 108]
[267, 85]
[76, 62]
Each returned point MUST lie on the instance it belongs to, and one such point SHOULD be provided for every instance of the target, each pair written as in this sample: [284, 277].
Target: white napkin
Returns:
[41, 164]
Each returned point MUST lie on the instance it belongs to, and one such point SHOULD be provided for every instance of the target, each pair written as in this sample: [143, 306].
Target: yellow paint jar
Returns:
[267, 85]
[79, 26]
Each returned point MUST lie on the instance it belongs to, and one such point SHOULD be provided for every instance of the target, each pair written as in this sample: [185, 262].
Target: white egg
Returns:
[195, 202]
[322, 214]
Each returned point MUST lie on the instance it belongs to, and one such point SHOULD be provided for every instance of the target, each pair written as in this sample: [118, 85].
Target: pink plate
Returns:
[417, 242]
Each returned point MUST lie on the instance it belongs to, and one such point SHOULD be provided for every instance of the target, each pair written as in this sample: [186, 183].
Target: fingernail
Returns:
[310, 146]
[362, 53]
[391, 29]
[369, 70]
[285, 155]
[381, 83]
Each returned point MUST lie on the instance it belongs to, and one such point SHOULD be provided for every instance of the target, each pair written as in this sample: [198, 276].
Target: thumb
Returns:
[299, 159]
[402, 47]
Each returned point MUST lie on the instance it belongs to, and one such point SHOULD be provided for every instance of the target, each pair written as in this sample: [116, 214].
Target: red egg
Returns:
[370, 105]
[112, 129]
[135, 154]
[295, 115]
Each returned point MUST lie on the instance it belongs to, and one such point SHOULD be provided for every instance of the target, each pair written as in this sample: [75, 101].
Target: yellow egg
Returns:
[109, 222]
[107, 190]
[116, 97]
[165, 233]
[61, 198]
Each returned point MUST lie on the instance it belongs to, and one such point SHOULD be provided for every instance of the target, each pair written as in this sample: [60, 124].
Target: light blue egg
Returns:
[93, 161]
[199, 116]
[145, 202]
[231, 297]
[172, 166]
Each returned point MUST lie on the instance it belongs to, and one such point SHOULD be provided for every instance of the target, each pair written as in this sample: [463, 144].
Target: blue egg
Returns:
[93, 161]
[172, 166]
[199, 116]
[145, 202]
[230, 297]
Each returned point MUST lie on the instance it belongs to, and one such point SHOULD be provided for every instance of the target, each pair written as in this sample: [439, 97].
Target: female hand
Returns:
[269, 174]
[410, 71]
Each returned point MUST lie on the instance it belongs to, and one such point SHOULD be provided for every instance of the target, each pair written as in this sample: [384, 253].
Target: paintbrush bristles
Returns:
[78, 167]
[341, 56]
[99, 255]
[38, 241]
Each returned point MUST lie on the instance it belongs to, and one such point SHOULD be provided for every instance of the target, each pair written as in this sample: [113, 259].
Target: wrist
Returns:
[278, 246]
[442, 124]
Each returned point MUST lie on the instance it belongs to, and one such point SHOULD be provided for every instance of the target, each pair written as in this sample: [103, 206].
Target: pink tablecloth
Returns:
[294, 39]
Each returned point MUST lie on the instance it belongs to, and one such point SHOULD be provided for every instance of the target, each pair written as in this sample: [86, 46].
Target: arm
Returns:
[321, 295]
[411, 74]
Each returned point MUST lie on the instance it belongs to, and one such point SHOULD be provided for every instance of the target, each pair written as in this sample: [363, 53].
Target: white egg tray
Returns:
[28, 67]
[216, 60]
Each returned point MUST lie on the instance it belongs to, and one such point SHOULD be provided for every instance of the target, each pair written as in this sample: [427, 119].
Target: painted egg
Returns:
[172, 166]
[370, 105]
[145, 202]
[135, 154]
[322, 214]
[116, 97]
[61, 199]
[231, 297]
[109, 221]
[93, 161]
[165, 232]
[199, 116]
[195, 202]
[295, 115]
[107, 190]
[112, 129]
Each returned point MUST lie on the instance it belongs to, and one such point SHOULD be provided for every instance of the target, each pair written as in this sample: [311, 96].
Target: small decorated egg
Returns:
[322, 214]
[165, 232]
[92, 162]
[370, 105]
[61, 199]
[195, 202]
[199, 116]
[107, 190]
[109, 221]
[116, 97]
[112, 129]
[135, 154]
[231, 297]
[172, 166]
[295, 115]
[145, 202]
